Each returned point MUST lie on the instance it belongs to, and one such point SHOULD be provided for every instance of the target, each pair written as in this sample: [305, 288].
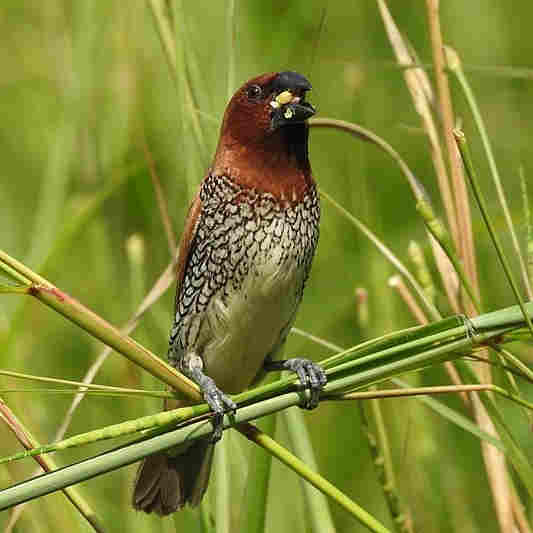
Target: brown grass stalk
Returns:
[465, 244]
[493, 458]
[397, 283]
[419, 87]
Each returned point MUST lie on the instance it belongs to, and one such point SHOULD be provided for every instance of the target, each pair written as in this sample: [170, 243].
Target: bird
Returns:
[243, 261]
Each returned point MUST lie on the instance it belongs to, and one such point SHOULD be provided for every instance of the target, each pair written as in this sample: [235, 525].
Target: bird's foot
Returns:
[219, 402]
[311, 377]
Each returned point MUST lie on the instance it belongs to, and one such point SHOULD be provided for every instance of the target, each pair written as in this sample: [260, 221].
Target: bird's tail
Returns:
[167, 481]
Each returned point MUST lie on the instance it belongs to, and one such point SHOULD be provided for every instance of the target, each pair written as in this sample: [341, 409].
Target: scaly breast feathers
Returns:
[250, 324]
[244, 280]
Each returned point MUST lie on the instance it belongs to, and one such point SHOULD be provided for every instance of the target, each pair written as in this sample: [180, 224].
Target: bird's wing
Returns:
[187, 240]
[184, 253]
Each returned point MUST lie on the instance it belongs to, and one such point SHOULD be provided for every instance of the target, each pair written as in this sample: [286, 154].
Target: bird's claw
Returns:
[311, 377]
[220, 404]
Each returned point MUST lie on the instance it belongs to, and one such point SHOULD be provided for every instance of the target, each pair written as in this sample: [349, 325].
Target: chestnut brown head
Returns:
[265, 105]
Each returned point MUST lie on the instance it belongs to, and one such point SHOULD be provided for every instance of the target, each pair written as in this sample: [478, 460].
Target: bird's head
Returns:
[266, 104]
[264, 132]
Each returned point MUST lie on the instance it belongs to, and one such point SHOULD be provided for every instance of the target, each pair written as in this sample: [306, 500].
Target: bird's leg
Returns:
[311, 376]
[193, 367]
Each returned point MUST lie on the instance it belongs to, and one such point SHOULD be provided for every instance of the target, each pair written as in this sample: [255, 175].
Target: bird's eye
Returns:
[254, 92]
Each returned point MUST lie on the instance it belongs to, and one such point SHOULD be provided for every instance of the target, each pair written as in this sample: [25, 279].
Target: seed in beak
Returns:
[288, 113]
[284, 98]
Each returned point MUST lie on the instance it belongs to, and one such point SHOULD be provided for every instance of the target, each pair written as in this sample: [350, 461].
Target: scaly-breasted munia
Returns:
[244, 258]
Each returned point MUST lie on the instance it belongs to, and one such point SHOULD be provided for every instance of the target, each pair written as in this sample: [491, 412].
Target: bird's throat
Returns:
[278, 165]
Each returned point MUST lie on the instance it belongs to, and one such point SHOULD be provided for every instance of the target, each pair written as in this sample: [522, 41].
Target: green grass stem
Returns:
[480, 199]
[454, 64]
[48, 464]
[316, 504]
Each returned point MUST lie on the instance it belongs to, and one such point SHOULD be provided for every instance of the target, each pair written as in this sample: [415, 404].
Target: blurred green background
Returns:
[83, 83]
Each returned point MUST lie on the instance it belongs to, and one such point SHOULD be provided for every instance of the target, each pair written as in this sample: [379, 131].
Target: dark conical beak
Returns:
[289, 105]
[286, 81]
[291, 114]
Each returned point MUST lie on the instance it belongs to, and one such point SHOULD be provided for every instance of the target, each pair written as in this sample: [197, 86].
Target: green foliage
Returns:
[83, 83]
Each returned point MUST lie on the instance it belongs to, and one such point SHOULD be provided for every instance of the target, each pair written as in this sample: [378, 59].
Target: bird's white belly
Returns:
[251, 323]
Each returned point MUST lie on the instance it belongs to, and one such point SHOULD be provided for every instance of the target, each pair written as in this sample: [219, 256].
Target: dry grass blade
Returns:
[420, 89]
[161, 203]
[496, 469]
[448, 274]
[494, 462]
[397, 283]
[454, 64]
[482, 204]
[465, 244]
[422, 269]
[495, 465]
[159, 288]
[519, 514]
[13, 424]
[47, 465]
